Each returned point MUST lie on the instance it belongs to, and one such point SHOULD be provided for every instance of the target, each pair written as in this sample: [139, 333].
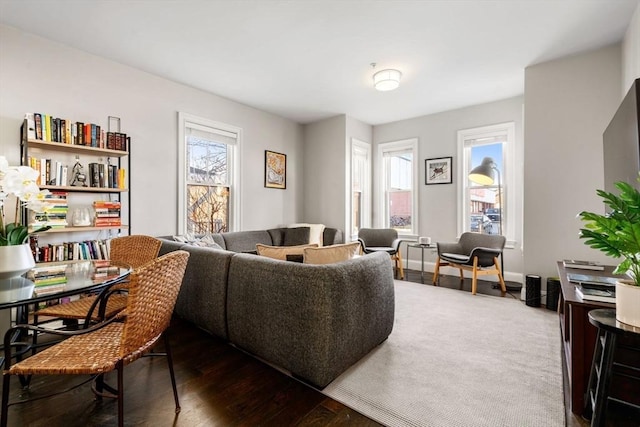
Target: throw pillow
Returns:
[296, 236]
[331, 254]
[185, 238]
[207, 241]
[315, 233]
[281, 252]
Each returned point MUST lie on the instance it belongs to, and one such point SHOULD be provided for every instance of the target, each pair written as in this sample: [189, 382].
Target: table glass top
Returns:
[57, 279]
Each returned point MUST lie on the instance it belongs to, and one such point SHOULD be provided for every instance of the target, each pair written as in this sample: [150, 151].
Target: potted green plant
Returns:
[617, 234]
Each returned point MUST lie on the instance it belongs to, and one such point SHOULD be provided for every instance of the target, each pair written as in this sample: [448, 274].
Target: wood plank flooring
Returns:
[218, 385]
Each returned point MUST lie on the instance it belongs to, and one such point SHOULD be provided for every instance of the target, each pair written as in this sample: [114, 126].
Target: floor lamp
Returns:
[485, 175]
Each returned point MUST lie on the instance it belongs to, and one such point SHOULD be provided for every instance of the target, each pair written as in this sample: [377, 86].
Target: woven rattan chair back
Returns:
[153, 291]
[135, 250]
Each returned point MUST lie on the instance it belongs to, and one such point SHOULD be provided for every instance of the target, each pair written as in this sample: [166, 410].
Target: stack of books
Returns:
[107, 213]
[56, 214]
[582, 265]
[49, 279]
[594, 288]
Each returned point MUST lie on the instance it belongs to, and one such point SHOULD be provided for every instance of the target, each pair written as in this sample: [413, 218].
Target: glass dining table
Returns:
[55, 281]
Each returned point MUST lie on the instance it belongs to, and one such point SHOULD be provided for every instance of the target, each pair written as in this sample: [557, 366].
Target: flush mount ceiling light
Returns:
[385, 80]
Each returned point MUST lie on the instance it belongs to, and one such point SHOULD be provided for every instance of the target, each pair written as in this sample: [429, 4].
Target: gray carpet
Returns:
[455, 359]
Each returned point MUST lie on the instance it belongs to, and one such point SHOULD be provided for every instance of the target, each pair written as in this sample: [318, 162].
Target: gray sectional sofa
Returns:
[311, 320]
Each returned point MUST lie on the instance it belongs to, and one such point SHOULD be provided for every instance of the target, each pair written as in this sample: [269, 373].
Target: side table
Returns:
[598, 391]
[422, 248]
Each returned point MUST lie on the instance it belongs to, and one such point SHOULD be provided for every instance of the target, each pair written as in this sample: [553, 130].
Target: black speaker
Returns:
[553, 293]
[533, 290]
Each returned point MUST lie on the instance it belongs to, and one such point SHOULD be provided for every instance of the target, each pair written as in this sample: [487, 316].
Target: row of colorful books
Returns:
[55, 173]
[49, 279]
[68, 251]
[44, 127]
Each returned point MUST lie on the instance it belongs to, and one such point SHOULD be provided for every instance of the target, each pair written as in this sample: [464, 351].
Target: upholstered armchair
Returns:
[474, 252]
[382, 240]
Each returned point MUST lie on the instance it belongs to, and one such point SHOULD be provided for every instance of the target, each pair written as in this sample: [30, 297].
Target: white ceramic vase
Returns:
[15, 260]
[628, 303]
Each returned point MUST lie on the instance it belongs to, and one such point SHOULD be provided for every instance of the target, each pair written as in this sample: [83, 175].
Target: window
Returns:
[399, 183]
[208, 171]
[485, 208]
[360, 186]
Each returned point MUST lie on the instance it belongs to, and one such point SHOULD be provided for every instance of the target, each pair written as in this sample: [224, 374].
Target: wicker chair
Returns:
[133, 250]
[110, 345]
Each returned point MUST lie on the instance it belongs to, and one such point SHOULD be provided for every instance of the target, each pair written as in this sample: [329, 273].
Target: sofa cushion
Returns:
[245, 241]
[281, 252]
[296, 236]
[315, 233]
[331, 254]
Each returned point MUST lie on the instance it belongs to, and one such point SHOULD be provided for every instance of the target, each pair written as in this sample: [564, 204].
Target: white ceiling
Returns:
[308, 60]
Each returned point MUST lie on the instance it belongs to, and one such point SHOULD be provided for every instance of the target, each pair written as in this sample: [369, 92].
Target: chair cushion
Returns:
[461, 259]
[370, 249]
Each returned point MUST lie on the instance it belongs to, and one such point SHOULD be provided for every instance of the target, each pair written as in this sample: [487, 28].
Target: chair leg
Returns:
[503, 286]
[399, 264]
[120, 368]
[436, 272]
[6, 380]
[171, 372]
[474, 279]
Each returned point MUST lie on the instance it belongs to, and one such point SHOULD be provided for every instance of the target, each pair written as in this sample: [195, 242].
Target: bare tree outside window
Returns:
[207, 187]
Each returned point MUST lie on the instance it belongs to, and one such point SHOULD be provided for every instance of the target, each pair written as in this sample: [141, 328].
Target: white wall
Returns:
[568, 104]
[324, 172]
[437, 136]
[37, 75]
[631, 52]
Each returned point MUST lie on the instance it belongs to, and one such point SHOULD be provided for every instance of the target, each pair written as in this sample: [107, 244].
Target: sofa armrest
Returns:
[313, 320]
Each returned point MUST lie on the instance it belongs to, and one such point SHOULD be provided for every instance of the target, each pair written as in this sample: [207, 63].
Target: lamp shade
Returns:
[385, 80]
[485, 173]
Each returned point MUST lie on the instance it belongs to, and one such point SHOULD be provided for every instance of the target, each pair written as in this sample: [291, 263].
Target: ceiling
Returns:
[309, 59]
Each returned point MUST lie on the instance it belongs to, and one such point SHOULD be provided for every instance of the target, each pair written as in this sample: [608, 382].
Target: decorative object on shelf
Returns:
[438, 171]
[79, 177]
[424, 240]
[15, 260]
[275, 170]
[617, 234]
[386, 80]
[81, 217]
[19, 181]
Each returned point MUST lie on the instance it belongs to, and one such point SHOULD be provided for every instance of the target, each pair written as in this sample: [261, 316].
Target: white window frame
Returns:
[466, 140]
[365, 213]
[186, 120]
[410, 144]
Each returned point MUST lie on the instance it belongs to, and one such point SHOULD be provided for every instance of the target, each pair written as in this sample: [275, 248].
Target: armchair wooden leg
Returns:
[474, 279]
[503, 286]
[399, 264]
[436, 272]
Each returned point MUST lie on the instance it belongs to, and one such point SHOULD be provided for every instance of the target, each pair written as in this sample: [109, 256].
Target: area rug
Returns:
[456, 359]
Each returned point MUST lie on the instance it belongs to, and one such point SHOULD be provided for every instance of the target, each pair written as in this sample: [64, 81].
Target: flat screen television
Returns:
[621, 142]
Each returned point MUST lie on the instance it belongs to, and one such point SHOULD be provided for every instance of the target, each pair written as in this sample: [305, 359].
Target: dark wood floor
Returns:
[218, 385]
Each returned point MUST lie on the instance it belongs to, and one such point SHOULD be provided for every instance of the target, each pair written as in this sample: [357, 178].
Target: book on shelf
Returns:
[583, 265]
[602, 295]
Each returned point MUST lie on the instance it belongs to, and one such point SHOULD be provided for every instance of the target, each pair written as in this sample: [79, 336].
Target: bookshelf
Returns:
[56, 152]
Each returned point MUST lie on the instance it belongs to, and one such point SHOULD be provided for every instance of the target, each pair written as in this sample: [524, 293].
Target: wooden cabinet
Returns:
[579, 338]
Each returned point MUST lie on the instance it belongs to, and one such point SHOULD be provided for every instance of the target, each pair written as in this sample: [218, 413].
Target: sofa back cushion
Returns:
[281, 252]
[331, 254]
[245, 241]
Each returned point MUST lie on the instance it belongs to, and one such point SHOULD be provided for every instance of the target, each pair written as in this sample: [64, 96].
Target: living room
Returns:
[559, 118]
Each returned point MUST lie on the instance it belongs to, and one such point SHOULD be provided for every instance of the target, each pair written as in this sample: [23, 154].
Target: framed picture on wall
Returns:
[438, 171]
[275, 170]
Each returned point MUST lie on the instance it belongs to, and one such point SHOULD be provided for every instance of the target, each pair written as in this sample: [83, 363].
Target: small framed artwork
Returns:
[275, 170]
[438, 171]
